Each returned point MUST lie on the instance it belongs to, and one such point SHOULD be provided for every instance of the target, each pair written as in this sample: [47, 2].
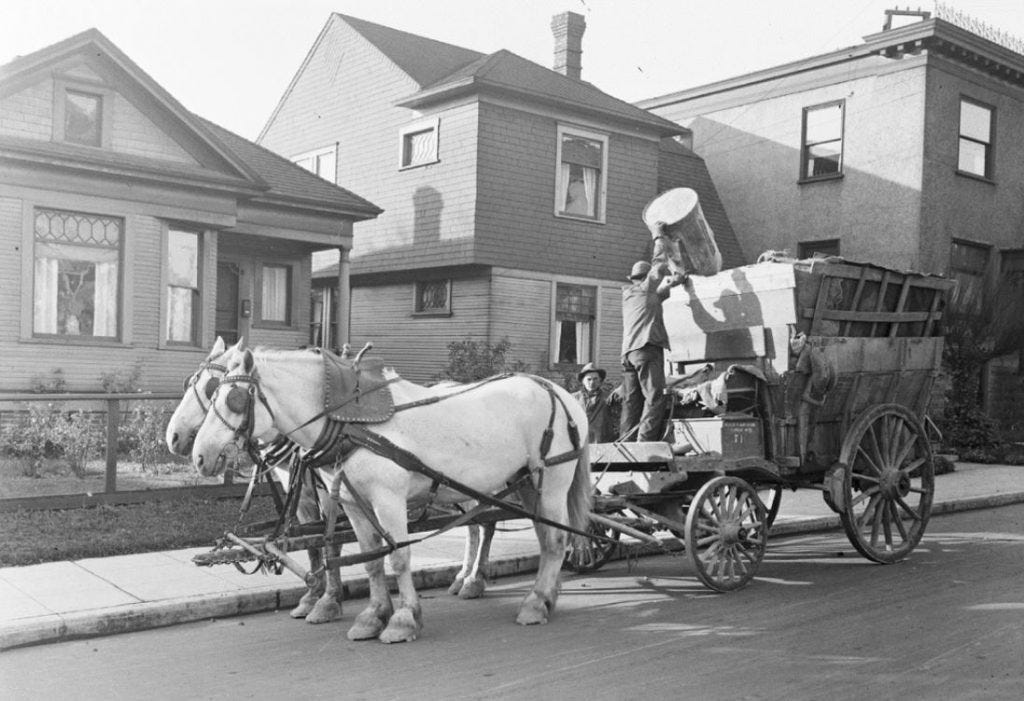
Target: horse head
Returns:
[198, 392]
[238, 415]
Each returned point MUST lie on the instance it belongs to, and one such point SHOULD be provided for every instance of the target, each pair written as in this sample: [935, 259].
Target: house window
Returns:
[322, 162]
[581, 176]
[419, 144]
[276, 294]
[434, 297]
[575, 313]
[183, 299]
[818, 249]
[976, 122]
[77, 263]
[821, 152]
[83, 118]
[968, 263]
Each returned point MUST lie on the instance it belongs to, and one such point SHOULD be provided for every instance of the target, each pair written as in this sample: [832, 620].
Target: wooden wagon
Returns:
[785, 374]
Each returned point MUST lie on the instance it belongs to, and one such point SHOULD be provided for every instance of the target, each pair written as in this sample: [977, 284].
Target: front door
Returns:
[228, 324]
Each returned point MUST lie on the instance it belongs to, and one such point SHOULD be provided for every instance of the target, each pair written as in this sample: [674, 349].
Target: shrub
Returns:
[116, 382]
[469, 361]
[142, 436]
[987, 456]
[966, 426]
[47, 432]
[943, 465]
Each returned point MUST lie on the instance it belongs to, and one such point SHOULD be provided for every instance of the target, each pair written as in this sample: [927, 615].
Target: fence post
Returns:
[113, 418]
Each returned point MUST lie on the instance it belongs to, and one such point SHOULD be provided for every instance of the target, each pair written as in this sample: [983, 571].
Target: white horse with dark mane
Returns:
[445, 445]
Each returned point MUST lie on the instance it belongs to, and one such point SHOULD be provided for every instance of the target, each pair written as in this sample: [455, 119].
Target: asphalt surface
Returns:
[59, 601]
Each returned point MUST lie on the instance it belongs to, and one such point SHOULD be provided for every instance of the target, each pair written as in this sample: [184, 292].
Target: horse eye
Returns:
[211, 387]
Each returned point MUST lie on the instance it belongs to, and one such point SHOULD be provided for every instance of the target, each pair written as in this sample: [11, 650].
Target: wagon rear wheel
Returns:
[888, 482]
[590, 554]
[726, 533]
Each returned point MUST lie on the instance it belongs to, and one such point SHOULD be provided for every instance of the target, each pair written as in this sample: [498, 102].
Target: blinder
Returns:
[237, 399]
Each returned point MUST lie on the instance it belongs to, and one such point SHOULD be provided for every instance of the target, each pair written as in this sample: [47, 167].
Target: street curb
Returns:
[143, 616]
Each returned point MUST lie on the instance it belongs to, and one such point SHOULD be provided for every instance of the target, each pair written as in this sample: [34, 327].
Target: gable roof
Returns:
[445, 71]
[243, 167]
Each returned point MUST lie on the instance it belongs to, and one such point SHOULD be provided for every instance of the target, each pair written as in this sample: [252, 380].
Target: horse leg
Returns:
[468, 558]
[476, 582]
[328, 606]
[540, 601]
[407, 622]
[371, 620]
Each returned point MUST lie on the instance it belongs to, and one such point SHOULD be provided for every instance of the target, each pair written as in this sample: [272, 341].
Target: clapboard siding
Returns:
[417, 347]
[345, 94]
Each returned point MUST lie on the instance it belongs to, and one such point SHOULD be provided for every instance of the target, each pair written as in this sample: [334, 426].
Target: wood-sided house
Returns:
[512, 193]
[135, 231]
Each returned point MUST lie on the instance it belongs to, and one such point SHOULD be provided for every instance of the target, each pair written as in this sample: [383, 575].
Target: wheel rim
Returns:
[726, 533]
[589, 554]
[888, 483]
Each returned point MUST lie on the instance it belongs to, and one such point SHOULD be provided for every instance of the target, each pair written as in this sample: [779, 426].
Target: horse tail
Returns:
[581, 492]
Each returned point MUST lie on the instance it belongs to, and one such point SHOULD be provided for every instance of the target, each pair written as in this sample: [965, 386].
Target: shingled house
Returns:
[512, 193]
[135, 231]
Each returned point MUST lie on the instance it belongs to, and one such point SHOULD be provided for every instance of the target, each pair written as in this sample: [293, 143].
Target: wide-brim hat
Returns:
[640, 270]
[588, 368]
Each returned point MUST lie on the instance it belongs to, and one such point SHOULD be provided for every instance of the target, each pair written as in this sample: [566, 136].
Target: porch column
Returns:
[343, 310]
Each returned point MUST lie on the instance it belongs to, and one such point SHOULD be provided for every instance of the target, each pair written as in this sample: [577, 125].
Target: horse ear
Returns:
[248, 362]
[238, 346]
[218, 348]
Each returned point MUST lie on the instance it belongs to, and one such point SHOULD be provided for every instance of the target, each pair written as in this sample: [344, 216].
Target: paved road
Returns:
[819, 622]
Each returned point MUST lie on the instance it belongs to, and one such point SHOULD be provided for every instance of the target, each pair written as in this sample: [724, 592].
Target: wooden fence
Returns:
[113, 406]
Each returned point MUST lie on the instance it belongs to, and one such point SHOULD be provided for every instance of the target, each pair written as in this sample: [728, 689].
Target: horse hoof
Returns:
[367, 626]
[403, 627]
[306, 604]
[325, 611]
[473, 588]
[533, 611]
[456, 587]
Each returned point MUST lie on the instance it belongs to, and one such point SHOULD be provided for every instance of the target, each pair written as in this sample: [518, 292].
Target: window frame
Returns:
[61, 87]
[314, 156]
[805, 145]
[989, 146]
[554, 331]
[600, 216]
[424, 125]
[198, 290]
[416, 292]
[121, 304]
[258, 320]
[982, 273]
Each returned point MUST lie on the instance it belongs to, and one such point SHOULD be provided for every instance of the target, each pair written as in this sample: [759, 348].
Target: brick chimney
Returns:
[568, 28]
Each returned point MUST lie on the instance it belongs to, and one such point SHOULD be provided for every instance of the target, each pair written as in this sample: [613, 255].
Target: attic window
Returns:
[322, 162]
[582, 167]
[418, 144]
[83, 118]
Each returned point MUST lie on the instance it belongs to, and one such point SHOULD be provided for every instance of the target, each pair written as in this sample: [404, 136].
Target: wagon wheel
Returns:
[589, 554]
[888, 481]
[726, 533]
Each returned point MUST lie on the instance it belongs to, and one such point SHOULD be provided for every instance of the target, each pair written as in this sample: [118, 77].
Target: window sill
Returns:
[273, 326]
[429, 315]
[974, 176]
[76, 341]
[820, 178]
[413, 166]
[579, 217]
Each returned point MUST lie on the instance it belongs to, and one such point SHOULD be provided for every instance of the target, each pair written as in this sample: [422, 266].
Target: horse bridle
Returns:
[242, 400]
[209, 387]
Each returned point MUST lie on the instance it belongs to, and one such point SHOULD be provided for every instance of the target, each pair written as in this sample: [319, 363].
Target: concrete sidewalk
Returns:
[100, 596]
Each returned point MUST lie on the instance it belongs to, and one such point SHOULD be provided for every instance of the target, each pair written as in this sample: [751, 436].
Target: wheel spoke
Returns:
[866, 494]
[908, 508]
[898, 521]
[876, 448]
[904, 450]
[886, 517]
[706, 540]
[909, 469]
[869, 460]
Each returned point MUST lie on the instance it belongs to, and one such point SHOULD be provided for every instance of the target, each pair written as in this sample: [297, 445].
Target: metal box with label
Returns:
[730, 436]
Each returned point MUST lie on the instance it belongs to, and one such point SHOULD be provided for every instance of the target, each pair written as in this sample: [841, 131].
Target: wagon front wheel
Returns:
[888, 483]
[726, 533]
[590, 554]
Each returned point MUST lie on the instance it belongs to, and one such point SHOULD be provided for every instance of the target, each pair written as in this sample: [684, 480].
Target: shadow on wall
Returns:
[427, 204]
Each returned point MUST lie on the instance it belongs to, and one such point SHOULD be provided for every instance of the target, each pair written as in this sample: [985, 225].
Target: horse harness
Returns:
[339, 440]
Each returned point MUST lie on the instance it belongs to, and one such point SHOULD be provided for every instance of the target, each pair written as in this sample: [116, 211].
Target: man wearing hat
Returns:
[596, 400]
[644, 340]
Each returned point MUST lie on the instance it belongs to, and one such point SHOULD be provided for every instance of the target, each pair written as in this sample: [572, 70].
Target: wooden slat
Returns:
[934, 313]
[856, 298]
[904, 291]
[881, 299]
[881, 317]
[819, 305]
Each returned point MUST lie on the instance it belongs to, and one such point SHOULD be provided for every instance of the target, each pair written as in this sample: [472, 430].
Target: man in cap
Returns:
[597, 401]
[644, 340]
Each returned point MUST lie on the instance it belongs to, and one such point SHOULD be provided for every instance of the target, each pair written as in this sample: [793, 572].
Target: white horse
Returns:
[480, 436]
[322, 601]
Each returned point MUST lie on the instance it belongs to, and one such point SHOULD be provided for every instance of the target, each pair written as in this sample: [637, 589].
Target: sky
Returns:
[231, 60]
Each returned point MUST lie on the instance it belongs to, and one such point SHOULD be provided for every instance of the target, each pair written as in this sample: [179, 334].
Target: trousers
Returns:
[643, 401]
